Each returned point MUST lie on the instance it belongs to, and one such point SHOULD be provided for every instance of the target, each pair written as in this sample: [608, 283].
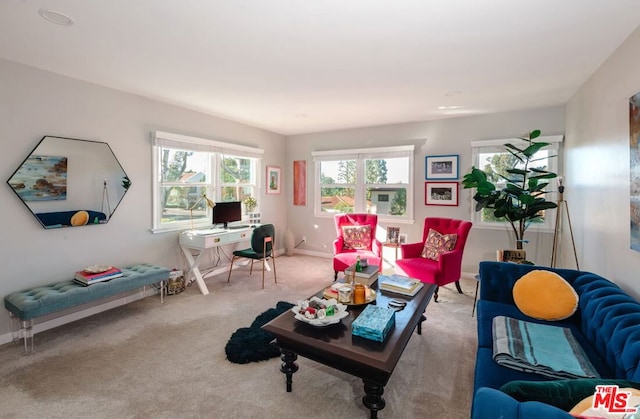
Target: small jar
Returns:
[359, 294]
[344, 294]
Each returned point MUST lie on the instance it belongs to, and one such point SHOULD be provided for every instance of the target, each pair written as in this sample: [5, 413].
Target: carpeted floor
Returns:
[147, 360]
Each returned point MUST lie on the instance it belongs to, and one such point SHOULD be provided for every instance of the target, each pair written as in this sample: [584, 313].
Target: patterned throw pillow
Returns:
[356, 237]
[436, 244]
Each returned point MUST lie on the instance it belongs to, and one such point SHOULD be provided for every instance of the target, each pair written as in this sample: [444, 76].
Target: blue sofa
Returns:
[606, 324]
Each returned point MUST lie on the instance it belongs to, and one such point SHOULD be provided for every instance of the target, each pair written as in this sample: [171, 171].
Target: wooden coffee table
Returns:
[335, 347]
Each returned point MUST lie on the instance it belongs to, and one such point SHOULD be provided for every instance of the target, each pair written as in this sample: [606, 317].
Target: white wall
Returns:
[597, 161]
[446, 136]
[35, 103]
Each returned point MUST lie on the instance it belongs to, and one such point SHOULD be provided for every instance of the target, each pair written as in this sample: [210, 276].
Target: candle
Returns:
[358, 294]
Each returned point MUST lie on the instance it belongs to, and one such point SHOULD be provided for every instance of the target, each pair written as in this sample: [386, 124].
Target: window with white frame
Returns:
[186, 169]
[492, 157]
[373, 180]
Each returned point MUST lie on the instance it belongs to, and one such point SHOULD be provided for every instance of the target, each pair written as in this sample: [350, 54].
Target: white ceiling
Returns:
[300, 66]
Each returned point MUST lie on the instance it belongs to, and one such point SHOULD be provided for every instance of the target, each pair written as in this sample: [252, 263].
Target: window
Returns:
[492, 157]
[186, 168]
[375, 181]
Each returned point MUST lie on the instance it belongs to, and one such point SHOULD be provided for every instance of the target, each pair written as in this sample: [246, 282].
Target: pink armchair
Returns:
[356, 236]
[417, 260]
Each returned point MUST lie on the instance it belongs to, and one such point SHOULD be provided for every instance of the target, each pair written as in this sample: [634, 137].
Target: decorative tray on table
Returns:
[332, 292]
[320, 312]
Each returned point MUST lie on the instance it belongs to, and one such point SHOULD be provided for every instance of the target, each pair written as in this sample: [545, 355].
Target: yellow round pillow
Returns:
[80, 218]
[545, 295]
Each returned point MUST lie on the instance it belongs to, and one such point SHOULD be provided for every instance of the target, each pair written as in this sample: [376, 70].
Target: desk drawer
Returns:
[203, 242]
[237, 236]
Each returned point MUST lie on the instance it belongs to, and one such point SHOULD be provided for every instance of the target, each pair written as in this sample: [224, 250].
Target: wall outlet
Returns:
[304, 238]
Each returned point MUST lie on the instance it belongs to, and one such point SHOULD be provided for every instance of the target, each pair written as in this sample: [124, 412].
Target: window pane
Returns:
[176, 201]
[184, 174]
[379, 183]
[184, 166]
[495, 165]
[387, 201]
[337, 199]
[235, 193]
[236, 170]
[338, 172]
[391, 170]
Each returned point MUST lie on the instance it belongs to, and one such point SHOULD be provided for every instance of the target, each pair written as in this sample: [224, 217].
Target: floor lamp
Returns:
[562, 206]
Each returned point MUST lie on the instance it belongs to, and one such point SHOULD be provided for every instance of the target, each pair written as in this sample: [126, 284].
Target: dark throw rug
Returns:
[253, 344]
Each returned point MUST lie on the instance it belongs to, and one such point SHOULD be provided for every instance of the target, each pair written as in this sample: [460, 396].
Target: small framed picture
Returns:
[393, 234]
[441, 193]
[441, 167]
[273, 179]
[403, 238]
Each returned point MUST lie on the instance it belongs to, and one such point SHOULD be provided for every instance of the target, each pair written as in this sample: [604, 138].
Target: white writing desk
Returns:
[201, 240]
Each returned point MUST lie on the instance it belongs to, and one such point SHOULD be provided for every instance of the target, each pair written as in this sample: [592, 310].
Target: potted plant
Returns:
[521, 200]
[250, 203]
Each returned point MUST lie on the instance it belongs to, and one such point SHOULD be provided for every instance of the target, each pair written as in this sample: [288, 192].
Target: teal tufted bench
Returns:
[35, 302]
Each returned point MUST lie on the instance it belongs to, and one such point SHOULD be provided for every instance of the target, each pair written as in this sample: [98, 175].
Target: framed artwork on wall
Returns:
[441, 193]
[441, 167]
[273, 179]
[300, 182]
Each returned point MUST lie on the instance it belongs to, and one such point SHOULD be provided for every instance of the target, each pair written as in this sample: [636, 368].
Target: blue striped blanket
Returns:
[543, 349]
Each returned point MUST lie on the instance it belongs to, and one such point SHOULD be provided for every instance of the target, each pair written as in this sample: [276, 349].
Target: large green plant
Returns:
[522, 200]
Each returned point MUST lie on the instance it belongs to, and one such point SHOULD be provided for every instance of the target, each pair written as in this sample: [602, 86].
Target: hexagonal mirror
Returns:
[68, 182]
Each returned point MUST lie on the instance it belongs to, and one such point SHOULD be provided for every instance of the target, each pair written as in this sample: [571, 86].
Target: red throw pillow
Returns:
[436, 244]
[356, 237]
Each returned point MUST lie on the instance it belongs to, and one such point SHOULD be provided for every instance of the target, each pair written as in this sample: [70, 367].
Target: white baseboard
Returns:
[469, 275]
[313, 253]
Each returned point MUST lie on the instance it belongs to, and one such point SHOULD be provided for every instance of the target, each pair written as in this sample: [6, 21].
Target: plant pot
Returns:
[511, 255]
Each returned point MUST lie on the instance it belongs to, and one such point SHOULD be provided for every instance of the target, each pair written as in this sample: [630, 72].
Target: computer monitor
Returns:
[227, 212]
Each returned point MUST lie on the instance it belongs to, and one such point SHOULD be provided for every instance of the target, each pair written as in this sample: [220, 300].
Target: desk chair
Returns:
[262, 245]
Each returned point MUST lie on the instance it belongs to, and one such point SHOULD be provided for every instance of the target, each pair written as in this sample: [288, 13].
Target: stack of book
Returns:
[366, 276]
[88, 278]
[399, 284]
